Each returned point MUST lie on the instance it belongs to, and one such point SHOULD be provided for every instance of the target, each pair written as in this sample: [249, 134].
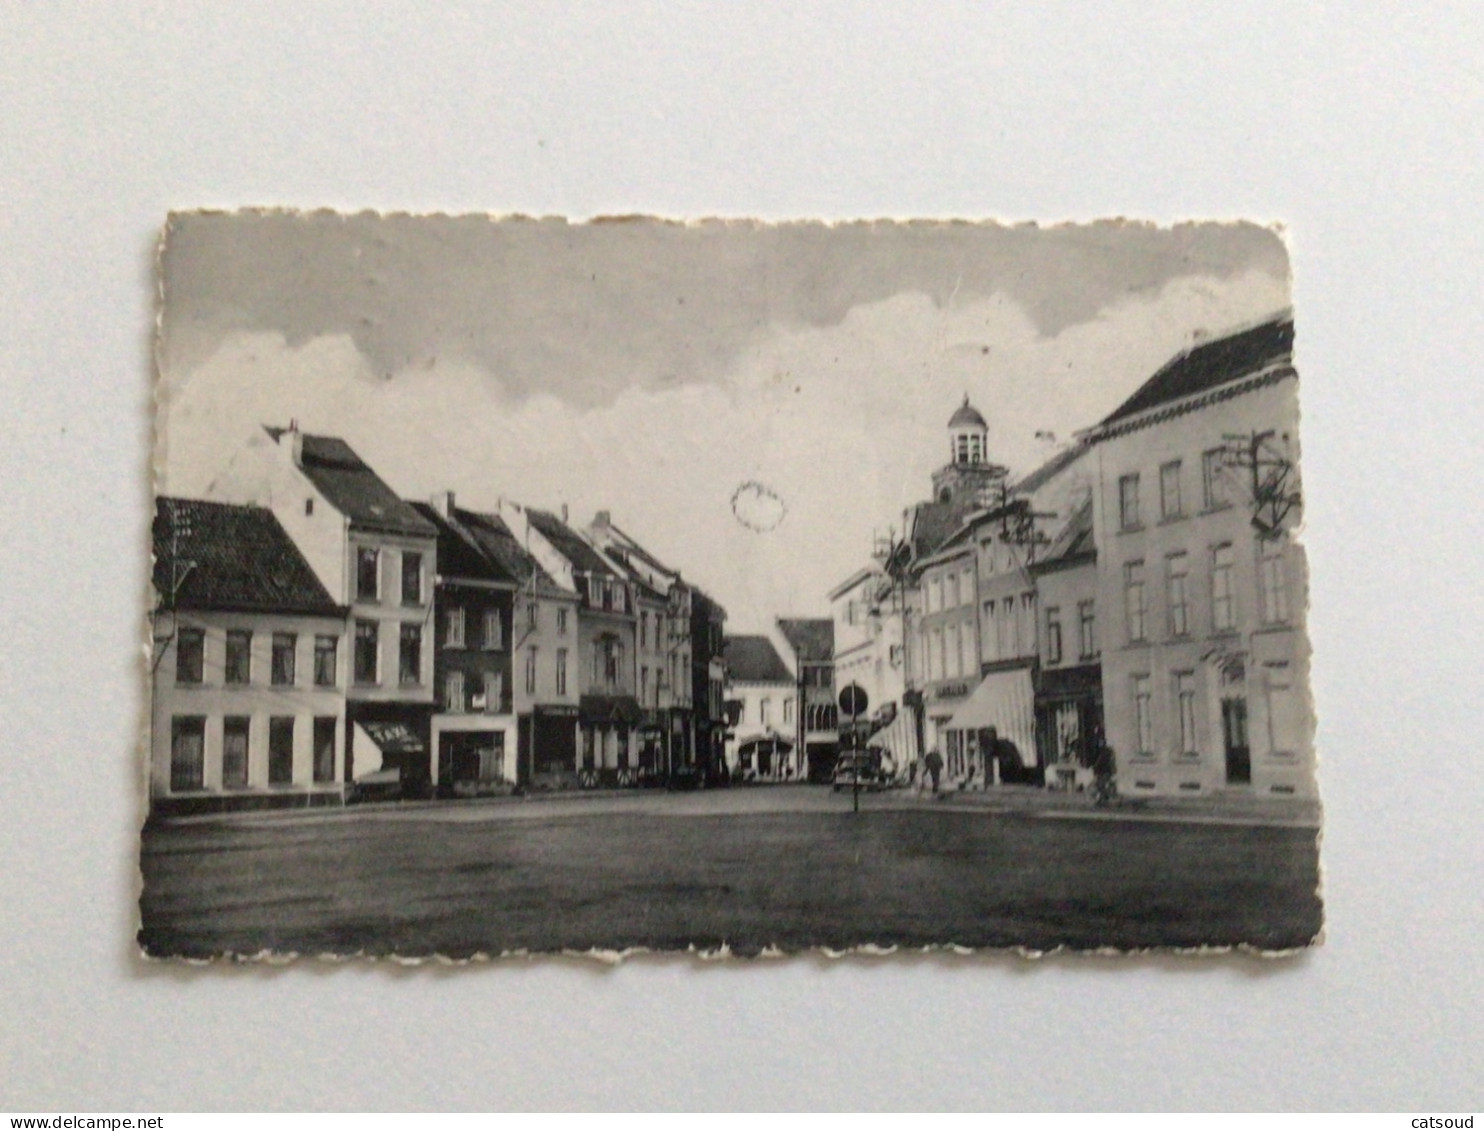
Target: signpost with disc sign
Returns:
[853, 702]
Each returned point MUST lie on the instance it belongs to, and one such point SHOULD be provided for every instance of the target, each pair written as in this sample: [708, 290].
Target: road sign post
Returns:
[853, 702]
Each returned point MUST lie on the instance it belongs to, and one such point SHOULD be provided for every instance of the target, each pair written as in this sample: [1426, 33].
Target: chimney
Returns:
[296, 442]
[602, 520]
[443, 503]
[564, 513]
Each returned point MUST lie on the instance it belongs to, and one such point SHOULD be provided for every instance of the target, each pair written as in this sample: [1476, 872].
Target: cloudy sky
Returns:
[651, 368]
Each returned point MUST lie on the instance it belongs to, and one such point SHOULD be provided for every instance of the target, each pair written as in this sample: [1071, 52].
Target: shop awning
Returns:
[394, 740]
[1006, 702]
[621, 710]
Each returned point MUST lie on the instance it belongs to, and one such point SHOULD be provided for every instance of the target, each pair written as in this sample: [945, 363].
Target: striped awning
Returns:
[1005, 701]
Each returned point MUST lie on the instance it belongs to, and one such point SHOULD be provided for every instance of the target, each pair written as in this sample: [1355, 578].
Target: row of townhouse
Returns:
[318, 638]
[780, 690]
[1141, 593]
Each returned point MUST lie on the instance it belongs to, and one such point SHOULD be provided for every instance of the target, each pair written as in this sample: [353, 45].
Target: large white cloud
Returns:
[844, 423]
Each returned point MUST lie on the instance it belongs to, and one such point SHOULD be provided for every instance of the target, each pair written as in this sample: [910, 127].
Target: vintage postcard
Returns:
[526, 586]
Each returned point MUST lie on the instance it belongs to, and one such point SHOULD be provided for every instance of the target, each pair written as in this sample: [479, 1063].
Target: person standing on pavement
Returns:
[934, 764]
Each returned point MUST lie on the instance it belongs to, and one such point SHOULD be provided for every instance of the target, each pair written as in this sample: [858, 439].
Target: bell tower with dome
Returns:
[964, 481]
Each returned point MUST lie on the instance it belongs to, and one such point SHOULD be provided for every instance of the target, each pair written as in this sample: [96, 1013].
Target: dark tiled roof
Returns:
[1050, 469]
[224, 556]
[569, 543]
[355, 490]
[1211, 364]
[812, 638]
[459, 555]
[753, 659]
[1074, 539]
[934, 523]
[500, 544]
[641, 553]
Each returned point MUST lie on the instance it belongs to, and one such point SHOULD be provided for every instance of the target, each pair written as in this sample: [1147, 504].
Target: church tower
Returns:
[967, 478]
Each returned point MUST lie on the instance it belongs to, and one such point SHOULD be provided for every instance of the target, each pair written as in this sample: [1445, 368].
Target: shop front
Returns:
[610, 729]
[993, 734]
[387, 756]
[547, 747]
[1069, 724]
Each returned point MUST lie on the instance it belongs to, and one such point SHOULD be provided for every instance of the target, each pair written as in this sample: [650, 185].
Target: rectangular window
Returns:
[1177, 571]
[1273, 581]
[235, 732]
[935, 655]
[1027, 624]
[1053, 635]
[1185, 706]
[1143, 715]
[561, 671]
[788, 711]
[281, 750]
[324, 749]
[954, 665]
[412, 578]
[1009, 642]
[561, 622]
[410, 654]
[1087, 630]
[966, 649]
[765, 711]
[1283, 715]
[644, 684]
[531, 671]
[285, 647]
[533, 620]
[1213, 478]
[1128, 502]
[368, 574]
[955, 595]
[187, 753]
[991, 632]
[644, 630]
[494, 631]
[1133, 600]
[659, 630]
[494, 692]
[190, 655]
[1169, 490]
[1223, 599]
[239, 656]
[325, 659]
[453, 628]
[368, 651]
[453, 693]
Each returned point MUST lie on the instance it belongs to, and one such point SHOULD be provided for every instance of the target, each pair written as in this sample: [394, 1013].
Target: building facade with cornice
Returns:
[1201, 586]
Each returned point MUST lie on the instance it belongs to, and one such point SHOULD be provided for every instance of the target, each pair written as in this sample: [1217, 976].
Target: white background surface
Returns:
[1361, 126]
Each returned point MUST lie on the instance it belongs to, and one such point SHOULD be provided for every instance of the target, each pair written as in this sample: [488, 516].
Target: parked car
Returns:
[861, 767]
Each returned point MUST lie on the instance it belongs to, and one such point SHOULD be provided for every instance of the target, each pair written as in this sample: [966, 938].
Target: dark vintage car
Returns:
[863, 767]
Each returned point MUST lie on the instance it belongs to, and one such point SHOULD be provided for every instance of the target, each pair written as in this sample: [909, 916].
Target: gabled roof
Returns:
[231, 557]
[354, 489]
[499, 544]
[1073, 540]
[811, 638]
[569, 543]
[852, 582]
[1212, 364]
[459, 555]
[932, 525]
[753, 659]
[1050, 469]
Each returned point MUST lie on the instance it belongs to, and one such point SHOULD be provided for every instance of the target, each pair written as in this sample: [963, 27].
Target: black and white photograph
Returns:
[526, 586]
